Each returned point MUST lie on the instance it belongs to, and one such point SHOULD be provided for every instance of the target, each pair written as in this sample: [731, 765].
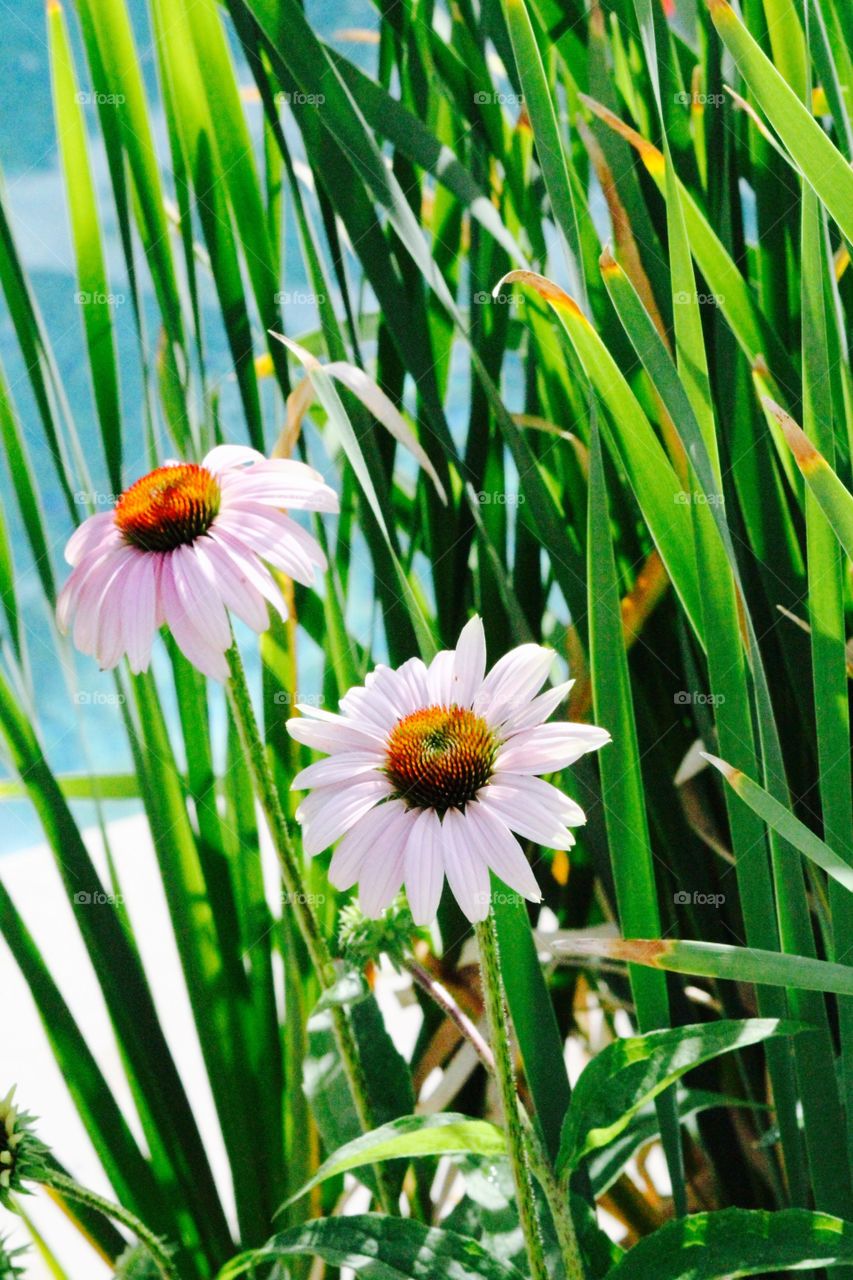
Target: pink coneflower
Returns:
[182, 546]
[431, 770]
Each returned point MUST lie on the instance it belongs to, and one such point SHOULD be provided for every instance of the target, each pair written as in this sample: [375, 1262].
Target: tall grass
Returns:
[598, 258]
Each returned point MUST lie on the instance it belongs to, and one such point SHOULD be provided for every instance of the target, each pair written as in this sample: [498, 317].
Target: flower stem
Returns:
[72, 1190]
[291, 874]
[540, 1165]
[495, 1002]
[559, 1204]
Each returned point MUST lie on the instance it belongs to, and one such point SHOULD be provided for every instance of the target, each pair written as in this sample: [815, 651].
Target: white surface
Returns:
[26, 1059]
[25, 1055]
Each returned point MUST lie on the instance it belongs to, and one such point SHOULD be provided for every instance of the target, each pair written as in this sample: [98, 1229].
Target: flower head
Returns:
[184, 544]
[21, 1152]
[430, 771]
[363, 941]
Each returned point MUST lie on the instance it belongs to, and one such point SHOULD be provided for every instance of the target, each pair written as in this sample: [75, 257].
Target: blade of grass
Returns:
[94, 291]
[625, 815]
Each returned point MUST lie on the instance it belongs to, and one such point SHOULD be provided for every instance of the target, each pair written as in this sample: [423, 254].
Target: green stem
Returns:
[559, 1202]
[541, 1167]
[495, 1002]
[291, 874]
[72, 1190]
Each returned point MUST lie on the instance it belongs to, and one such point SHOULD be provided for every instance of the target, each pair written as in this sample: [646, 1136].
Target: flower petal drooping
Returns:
[432, 773]
[185, 544]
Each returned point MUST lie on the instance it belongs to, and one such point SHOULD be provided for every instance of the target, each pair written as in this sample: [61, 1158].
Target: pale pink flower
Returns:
[430, 771]
[182, 546]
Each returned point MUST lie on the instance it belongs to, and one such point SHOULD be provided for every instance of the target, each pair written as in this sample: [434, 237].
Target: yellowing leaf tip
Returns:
[720, 9]
[607, 262]
[805, 454]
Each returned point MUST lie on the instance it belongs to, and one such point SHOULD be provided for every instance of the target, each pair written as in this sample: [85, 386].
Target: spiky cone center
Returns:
[440, 757]
[170, 507]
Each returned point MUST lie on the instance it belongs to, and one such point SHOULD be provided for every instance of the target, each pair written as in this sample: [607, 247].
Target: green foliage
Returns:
[577, 359]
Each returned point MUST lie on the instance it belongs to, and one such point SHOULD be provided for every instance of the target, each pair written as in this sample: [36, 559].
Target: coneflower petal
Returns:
[456, 752]
[185, 544]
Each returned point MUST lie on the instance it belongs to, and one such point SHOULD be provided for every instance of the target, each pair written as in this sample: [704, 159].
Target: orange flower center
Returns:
[169, 507]
[440, 757]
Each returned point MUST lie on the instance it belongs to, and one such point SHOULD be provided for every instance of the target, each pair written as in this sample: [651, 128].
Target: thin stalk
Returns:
[556, 1194]
[517, 1141]
[291, 874]
[445, 1001]
[72, 1190]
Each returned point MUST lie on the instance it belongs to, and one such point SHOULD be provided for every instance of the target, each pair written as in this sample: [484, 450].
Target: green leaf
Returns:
[650, 473]
[835, 500]
[387, 1248]
[606, 1164]
[412, 1136]
[534, 1022]
[622, 781]
[631, 1072]
[94, 296]
[554, 158]
[719, 960]
[738, 1242]
[785, 822]
[388, 1080]
[822, 164]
